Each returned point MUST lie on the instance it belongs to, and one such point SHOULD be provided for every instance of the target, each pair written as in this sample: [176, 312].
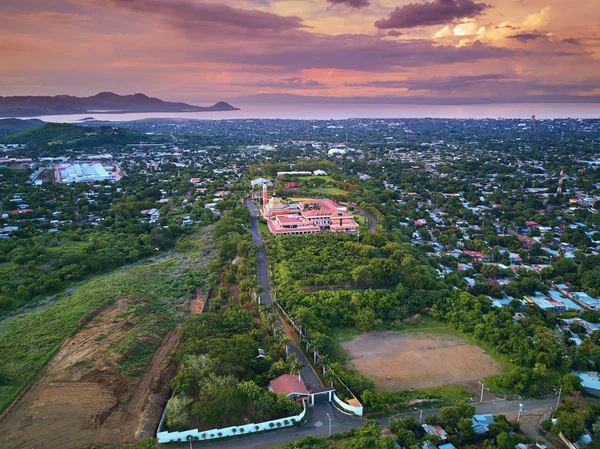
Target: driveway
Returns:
[308, 374]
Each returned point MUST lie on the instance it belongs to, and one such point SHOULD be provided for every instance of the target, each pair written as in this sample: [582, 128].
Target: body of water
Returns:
[346, 111]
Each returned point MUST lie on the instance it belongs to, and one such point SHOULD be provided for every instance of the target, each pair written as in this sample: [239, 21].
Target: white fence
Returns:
[168, 437]
[358, 411]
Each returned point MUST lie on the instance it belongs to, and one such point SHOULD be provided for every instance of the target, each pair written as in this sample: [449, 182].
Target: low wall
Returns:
[213, 434]
[358, 411]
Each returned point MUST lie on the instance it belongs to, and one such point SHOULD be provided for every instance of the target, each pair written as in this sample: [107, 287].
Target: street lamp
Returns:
[558, 400]
[420, 414]
[481, 398]
[329, 424]
[190, 440]
[520, 411]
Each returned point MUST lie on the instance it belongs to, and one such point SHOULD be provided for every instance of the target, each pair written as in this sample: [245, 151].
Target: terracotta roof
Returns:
[288, 384]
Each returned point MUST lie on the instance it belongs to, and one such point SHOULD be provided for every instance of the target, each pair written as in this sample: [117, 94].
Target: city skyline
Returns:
[438, 51]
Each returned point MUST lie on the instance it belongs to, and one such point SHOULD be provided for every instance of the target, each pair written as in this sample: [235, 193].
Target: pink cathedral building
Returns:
[306, 217]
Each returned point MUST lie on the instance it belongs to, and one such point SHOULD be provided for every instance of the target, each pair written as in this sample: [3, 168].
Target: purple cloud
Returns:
[526, 37]
[286, 84]
[497, 83]
[450, 83]
[351, 3]
[189, 15]
[438, 12]
[394, 33]
[572, 41]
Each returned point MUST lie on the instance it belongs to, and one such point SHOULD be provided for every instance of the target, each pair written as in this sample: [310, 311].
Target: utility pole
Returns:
[329, 424]
[481, 398]
[558, 400]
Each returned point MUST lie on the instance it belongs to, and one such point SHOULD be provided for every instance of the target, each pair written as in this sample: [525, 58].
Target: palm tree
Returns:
[295, 366]
[330, 376]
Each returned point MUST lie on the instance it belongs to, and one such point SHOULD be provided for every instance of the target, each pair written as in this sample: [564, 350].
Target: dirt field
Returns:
[418, 360]
[80, 400]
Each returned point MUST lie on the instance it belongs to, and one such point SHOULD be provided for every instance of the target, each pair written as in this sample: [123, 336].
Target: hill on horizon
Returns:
[62, 135]
[105, 102]
[14, 125]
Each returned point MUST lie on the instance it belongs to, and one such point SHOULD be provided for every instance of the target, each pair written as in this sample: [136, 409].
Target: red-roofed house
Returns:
[478, 256]
[290, 385]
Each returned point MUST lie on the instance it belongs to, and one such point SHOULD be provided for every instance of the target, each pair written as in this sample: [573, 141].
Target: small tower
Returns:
[560, 181]
[265, 199]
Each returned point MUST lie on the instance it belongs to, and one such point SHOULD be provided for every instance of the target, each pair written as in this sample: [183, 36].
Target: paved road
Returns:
[317, 425]
[372, 219]
[310, 377]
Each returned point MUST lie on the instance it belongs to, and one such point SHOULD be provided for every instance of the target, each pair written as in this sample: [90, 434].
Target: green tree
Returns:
[178, 412]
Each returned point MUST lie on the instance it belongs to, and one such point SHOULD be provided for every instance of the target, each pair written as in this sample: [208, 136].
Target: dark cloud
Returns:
[352, 3]
[438, 12]
[189, 15]
[448, 84]
[498, 84]
[286, 84]
[358, 52]
[394, 33]
[436, 100]
[572, 41]
[509, 27]
[526, 37]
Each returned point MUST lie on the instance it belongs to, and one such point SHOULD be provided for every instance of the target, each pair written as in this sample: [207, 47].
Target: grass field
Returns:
[312, 178]
[327, 190]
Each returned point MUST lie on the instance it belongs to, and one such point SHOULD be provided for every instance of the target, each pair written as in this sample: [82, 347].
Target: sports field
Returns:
[418, 360]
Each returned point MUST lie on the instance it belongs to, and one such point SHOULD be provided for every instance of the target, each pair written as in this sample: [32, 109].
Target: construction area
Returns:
[80, 399]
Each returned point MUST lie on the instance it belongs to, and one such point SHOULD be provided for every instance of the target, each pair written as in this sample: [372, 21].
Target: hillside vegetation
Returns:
[72, 136]
[156, 294]
[15, 125]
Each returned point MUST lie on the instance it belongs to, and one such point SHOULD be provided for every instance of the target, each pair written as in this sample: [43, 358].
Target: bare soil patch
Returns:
[80, 399]
[418, 360]
[197, 304]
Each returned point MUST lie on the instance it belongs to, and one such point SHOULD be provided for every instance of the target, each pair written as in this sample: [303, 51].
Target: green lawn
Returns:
[263, 228]
[312, 178]
[327, 190]
[361, 220]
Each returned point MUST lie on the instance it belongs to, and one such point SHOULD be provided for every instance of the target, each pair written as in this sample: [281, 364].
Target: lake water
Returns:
[345, 111]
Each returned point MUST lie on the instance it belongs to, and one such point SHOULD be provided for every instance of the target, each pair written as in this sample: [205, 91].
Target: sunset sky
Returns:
[200, 51]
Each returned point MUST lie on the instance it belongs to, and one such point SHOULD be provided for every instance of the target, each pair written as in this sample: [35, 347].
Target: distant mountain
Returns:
[15, 125]
[64, 135]
[105, 102]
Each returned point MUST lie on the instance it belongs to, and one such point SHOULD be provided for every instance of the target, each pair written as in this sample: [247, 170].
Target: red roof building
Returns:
[290, 385]
[308, 217]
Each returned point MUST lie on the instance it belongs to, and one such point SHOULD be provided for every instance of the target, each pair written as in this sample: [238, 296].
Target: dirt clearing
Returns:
[80, 399]
[418, 360]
